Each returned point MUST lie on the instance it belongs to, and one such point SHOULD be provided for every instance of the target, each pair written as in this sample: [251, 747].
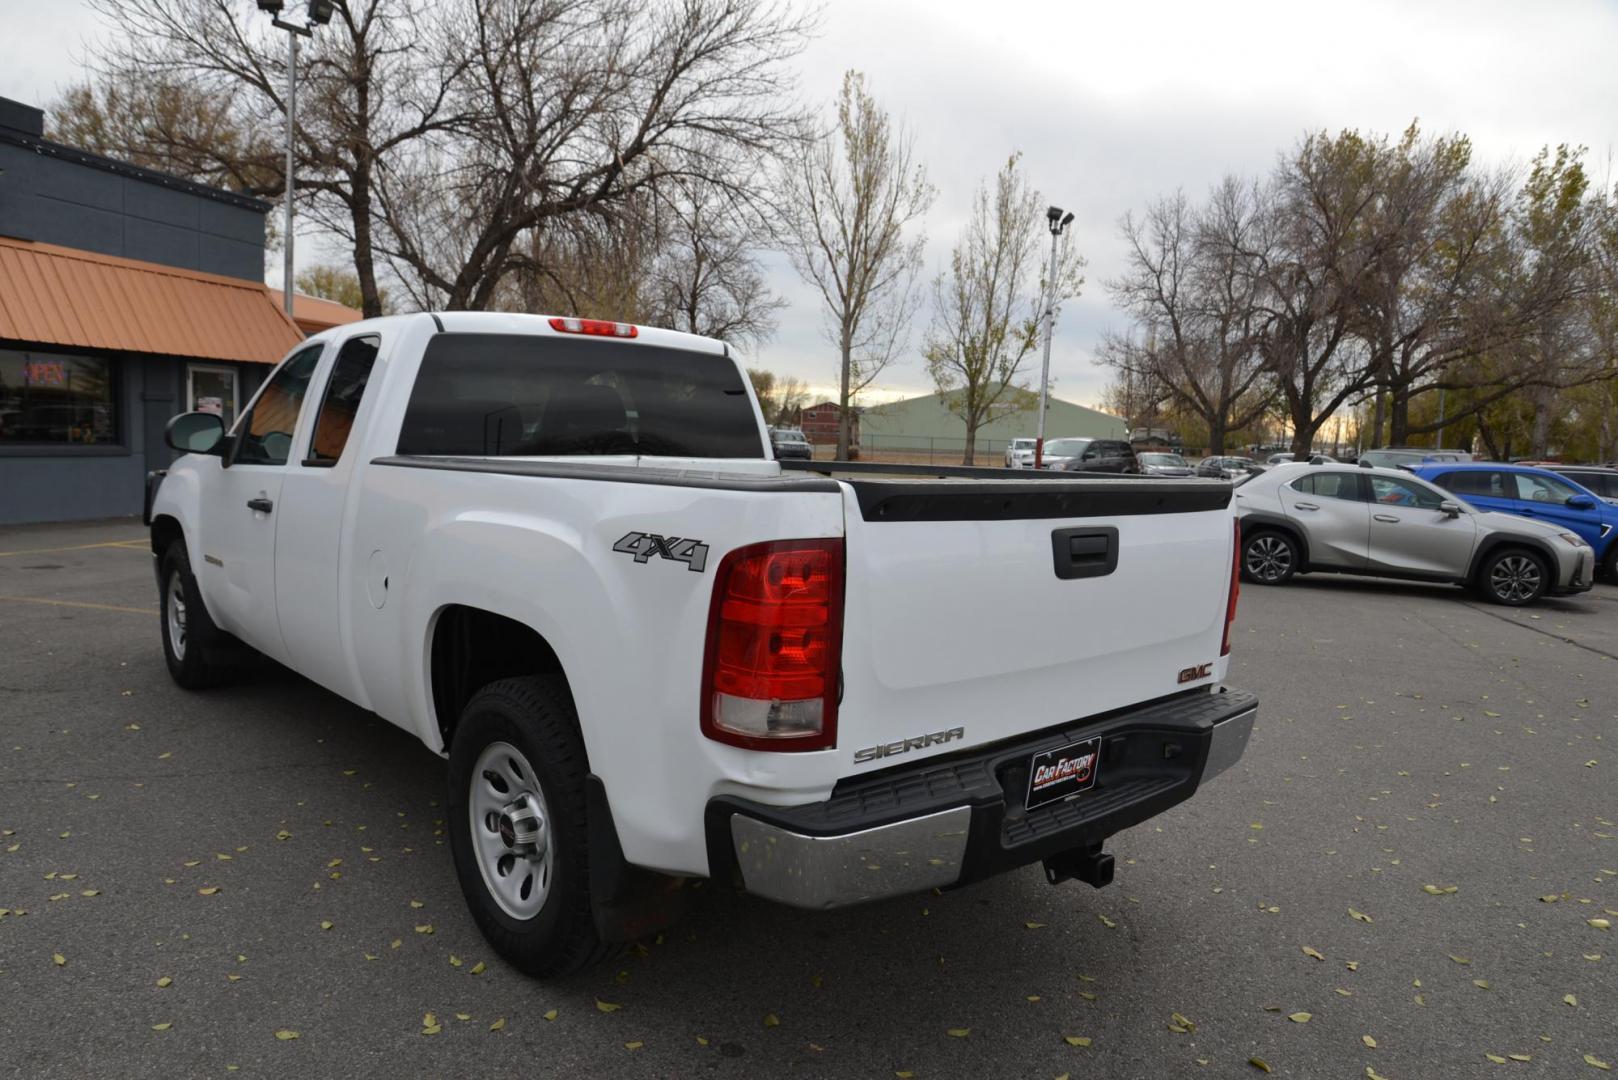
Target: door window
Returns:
[349, 375]
[211, 389]
[265, 433]
[1329, 485]
[1390, 492]
[1543, 489]
[1477, 482]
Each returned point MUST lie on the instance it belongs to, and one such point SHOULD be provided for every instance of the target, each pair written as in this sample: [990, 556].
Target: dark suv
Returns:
[1103, 455]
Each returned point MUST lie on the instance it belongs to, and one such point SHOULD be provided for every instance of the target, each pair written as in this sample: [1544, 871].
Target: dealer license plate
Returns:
[1054, 775]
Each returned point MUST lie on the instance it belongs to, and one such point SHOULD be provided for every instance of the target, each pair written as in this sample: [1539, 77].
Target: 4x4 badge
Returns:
[694, 553]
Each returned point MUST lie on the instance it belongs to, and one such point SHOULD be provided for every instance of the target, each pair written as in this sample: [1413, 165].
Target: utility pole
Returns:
[1057, 223]
[318, 13]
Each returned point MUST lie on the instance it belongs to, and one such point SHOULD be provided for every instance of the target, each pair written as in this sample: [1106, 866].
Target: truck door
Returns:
[312, 519]
[238, 517]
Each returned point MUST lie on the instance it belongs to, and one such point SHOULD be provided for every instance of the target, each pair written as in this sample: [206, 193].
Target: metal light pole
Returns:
[318, 12]
[1057, 222]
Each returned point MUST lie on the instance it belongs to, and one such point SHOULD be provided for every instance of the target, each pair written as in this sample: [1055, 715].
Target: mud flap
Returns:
[628, 902]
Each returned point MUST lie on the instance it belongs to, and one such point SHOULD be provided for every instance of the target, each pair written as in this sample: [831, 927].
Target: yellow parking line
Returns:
[75, 547]
[78, 604]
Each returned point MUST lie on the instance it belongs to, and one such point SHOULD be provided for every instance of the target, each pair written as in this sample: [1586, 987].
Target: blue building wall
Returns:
[56, 194]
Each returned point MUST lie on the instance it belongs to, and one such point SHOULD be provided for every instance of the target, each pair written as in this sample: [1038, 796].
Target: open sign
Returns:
[44, 373]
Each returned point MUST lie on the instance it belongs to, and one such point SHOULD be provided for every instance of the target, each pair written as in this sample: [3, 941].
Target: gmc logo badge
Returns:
[1192, 674]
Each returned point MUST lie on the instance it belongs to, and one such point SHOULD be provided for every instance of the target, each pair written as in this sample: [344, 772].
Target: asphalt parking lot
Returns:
[1407, 874]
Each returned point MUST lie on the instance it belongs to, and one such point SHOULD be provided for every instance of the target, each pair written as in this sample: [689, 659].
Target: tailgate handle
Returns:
[1085, 552]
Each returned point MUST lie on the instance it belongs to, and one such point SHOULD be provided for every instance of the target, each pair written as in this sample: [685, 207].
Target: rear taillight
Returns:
[774, 652]
[1235, 589]
[595, 327]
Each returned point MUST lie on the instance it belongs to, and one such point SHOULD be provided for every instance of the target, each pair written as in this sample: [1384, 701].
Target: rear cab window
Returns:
[507, 395]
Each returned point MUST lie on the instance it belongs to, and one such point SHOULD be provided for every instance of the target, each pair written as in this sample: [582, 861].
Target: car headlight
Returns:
[1576, 541]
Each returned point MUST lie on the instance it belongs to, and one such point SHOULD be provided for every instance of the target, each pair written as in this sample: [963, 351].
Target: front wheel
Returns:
[518, 825]
[1513, 577]
[188, 632]
[1269, 558]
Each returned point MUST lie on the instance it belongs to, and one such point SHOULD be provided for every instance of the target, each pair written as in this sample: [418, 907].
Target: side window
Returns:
[1329, 485]
[265, 433]
[349, 375]
[1542, 489]
[1390, 492]
[1490, 485]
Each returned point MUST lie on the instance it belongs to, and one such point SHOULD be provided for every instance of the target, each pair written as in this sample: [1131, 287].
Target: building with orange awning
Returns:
[126, 296]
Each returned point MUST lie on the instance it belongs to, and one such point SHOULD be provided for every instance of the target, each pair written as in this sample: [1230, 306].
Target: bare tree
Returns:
[781, 397]
[583, 107]
[1188, 287]
[849, 200]
[986, 307]
[371, 84]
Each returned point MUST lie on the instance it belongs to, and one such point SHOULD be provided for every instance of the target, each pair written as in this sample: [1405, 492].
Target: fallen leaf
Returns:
[286, 1036]
[959, 1033]
[164, 982]
[425, 928]
[209, 891]
[1259, 1063]
[1372, 1074]
[550, 1014]
[1520, 1057]
[61, 961]
[1481, 984]
[1353, 965]
[477, 968]
[455, 961]
[1300, 1017]
[1108, 923]
[1368, 1041]
[1307, 951]
[1595, 1062]
[325, 924]
[1360, 915]
[500, 1023]
[771, 1020]
[1496, 1058]
[162, 1027]
[607, 1006]
[1076, 1040]
[463, 1016]
[1439, 890]
[1600, 924]
[1459, 959]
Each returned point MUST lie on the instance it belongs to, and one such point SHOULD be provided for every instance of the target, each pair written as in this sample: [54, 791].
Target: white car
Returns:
[1300, 518]
[560, 554]
[1020, 453]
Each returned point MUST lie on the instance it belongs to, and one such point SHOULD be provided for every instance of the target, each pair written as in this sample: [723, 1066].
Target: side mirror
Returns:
[1581, 501]
[1449, 509]
[196, 433]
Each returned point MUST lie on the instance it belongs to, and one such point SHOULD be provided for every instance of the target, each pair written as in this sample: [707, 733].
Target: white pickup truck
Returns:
[560, 553]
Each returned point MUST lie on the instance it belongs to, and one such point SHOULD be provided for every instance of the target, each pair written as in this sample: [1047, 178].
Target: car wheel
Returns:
[190, 638]
[1513, 577]
[1269, 558]
[1609, 565]
[518, 825]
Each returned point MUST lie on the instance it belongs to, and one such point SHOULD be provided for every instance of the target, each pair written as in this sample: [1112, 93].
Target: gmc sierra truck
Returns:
[560, 553]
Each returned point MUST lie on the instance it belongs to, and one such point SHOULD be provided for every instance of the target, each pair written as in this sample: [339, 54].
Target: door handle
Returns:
[1389, 518]
[261, 504]
[1307, 506]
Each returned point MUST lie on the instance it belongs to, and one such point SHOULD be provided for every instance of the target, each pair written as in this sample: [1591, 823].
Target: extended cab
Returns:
[560, 553]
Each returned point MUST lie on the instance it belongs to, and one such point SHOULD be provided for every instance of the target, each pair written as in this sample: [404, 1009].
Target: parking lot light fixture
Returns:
[1058, 222]
[316, 13]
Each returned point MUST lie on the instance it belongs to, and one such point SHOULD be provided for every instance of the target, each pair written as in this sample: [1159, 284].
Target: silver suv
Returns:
[1301, 518]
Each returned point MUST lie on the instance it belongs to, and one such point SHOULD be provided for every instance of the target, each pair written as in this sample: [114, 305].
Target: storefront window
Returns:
[212, 390]
[54, 399]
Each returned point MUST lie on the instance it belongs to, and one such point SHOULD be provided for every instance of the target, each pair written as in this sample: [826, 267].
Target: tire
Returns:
[190, 639]
[1609, 565]
[1269, 557]
[522, 735]
[1513, 577]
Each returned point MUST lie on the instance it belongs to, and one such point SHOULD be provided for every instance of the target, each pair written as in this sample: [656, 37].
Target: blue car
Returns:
[1535, 493]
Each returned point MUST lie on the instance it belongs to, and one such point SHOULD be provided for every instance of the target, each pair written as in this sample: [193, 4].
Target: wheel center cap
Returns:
[521, 828]
[508, 831]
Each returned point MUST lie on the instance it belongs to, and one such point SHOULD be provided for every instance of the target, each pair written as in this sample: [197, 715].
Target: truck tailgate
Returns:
[1008, 606]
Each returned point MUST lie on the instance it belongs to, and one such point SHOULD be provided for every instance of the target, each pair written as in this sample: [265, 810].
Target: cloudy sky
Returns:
[1114, 103]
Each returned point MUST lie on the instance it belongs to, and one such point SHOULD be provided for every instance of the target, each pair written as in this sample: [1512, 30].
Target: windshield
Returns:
[1171, 460]
[1066, 447]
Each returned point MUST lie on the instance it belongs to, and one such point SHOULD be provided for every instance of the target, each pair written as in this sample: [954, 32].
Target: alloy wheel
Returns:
[1515, 579]
[1269, 558]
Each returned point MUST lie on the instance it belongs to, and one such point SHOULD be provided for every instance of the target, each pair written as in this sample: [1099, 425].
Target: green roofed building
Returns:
[924, 425]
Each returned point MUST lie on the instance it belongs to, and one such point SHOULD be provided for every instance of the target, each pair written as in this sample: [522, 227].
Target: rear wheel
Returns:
[188, 633]
[518, 825]
[1513, 577]
[1269, 558]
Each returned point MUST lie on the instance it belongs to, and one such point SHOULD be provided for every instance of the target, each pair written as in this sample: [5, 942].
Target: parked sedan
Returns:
[1302, 518]
[1154, 463]
[1534, 493]
[1227, 468]
[1314, 459]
